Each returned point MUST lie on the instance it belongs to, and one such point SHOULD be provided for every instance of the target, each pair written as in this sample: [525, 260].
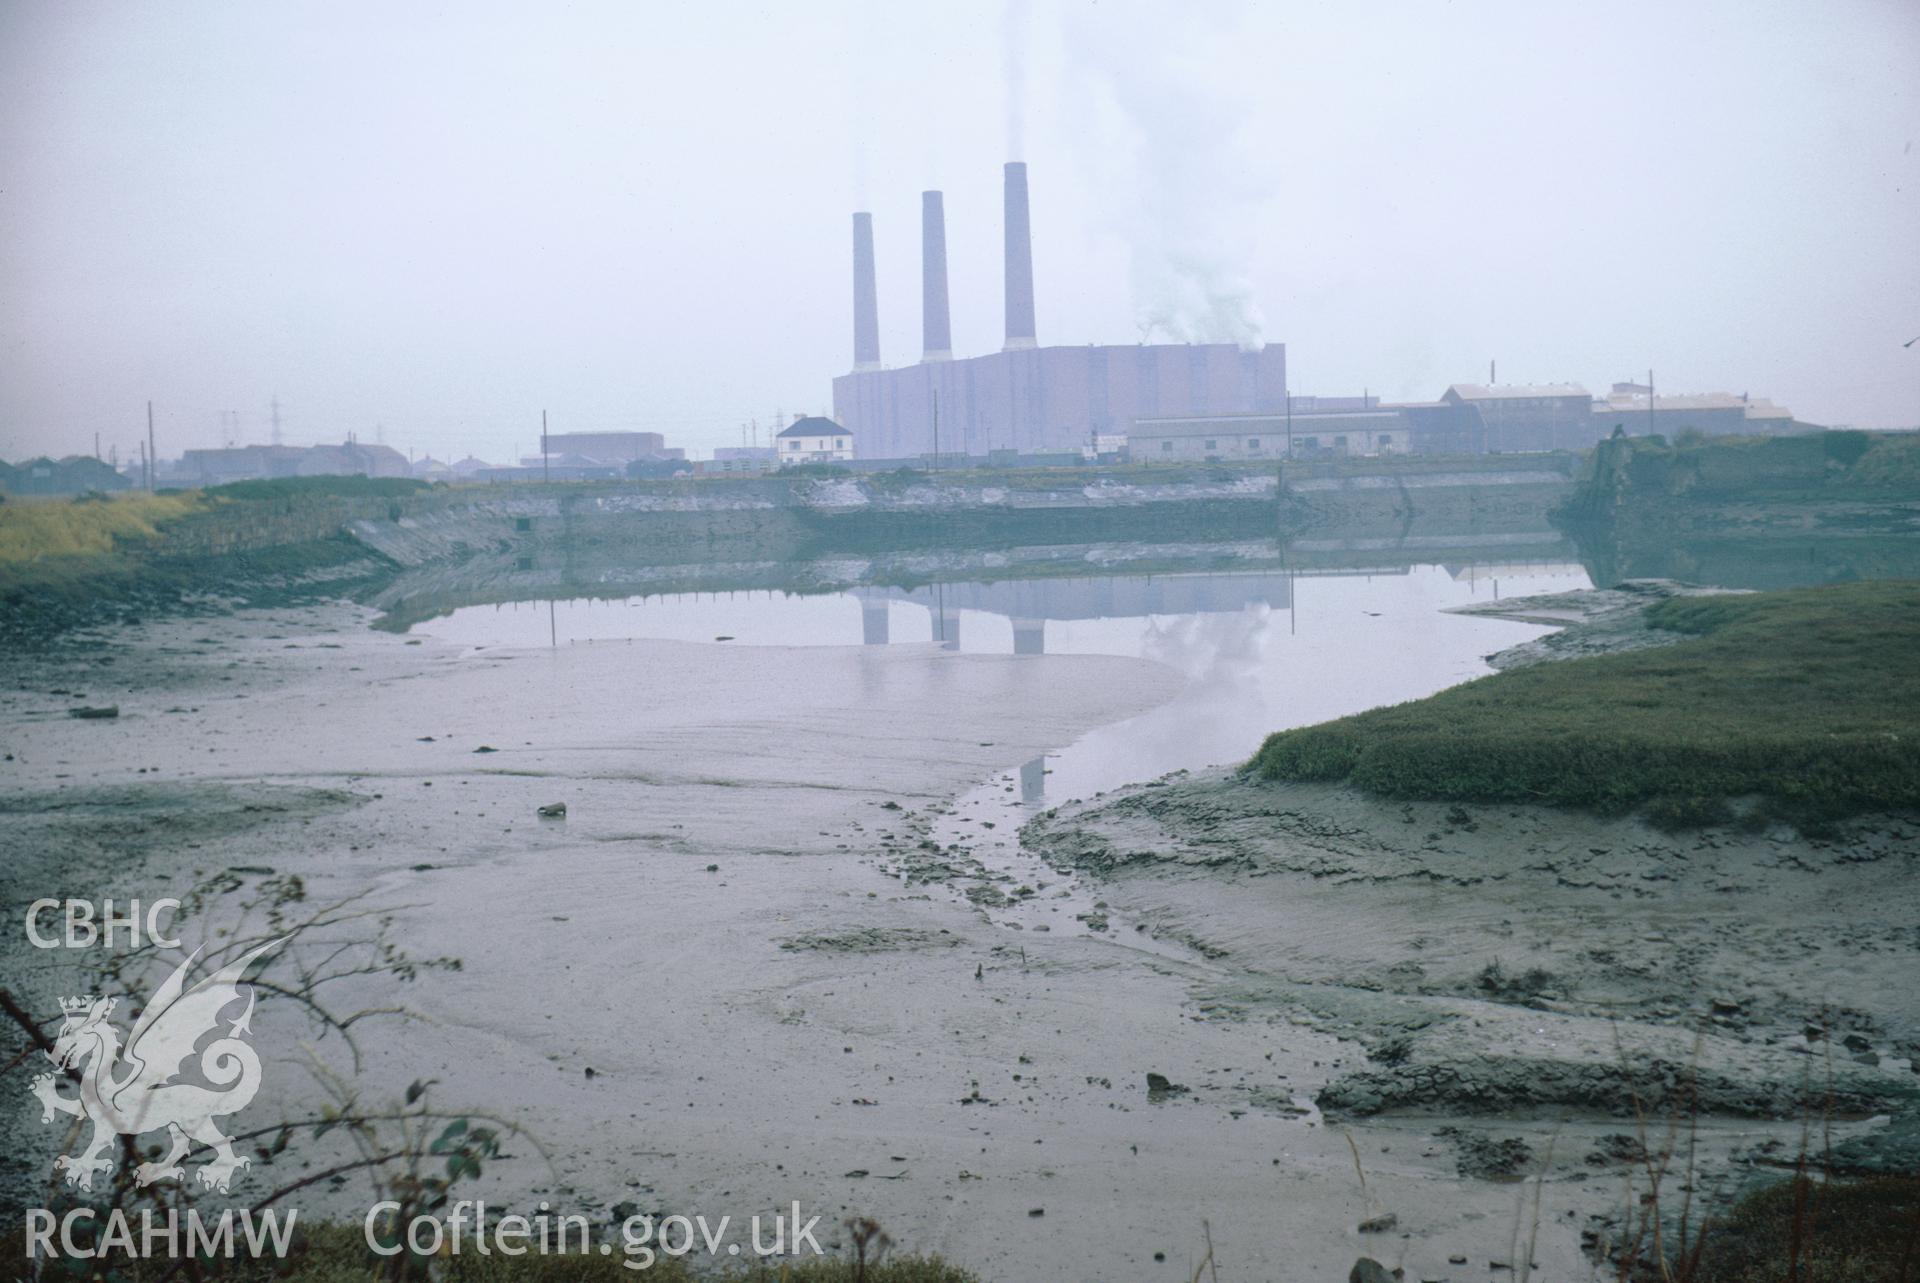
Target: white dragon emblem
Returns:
[142, 1089]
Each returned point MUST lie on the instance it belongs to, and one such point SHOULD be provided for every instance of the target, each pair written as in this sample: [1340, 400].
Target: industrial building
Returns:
[610, 447]
[1468, 419]
[264, 462]
[1216, 438]
[738, 460]
[1182, 402]
[594, 456]
[1640, 411]
[1525, 416]
[1025, 398]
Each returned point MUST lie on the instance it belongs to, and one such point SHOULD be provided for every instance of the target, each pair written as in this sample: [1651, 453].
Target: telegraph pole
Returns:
[153, 460]
[276, 420]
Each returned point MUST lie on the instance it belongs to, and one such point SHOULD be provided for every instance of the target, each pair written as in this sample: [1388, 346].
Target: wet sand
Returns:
[726, 930]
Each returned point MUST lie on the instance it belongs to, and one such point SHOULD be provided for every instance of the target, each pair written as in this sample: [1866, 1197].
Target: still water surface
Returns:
[1260, 651]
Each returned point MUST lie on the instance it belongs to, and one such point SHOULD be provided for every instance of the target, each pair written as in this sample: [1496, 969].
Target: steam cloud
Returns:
[1182, 197]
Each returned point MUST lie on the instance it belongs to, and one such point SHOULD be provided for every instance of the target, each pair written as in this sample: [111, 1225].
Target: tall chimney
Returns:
[933, 279]
[1019, 260]
[866, 305]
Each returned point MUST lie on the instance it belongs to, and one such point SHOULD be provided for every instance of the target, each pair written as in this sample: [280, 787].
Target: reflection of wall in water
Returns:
[946, 626]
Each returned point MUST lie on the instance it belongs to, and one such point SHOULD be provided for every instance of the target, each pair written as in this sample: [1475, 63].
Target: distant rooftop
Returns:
[1689, 401]
[815, 426]
[1514, 391]
[1267, 422]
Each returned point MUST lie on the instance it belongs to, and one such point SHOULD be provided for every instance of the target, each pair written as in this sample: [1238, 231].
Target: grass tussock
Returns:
[1807, 698]
[1807, 1232]
[91, 525]
[1893, 459]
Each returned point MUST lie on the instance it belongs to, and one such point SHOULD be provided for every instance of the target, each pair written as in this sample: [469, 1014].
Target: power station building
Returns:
[1025, 397]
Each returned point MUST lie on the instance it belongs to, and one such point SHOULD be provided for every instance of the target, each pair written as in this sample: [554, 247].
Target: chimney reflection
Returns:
[1033, 781]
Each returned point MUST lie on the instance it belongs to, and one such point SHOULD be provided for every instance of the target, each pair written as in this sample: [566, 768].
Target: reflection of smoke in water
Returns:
[1220, 650]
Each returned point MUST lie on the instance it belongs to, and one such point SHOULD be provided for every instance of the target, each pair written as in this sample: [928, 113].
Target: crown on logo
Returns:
[76, 1006]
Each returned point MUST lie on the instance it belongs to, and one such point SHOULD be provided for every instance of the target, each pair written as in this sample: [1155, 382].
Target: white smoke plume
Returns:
[1174, 169]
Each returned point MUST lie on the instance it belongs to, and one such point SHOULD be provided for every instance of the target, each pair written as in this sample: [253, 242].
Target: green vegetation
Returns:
[1808, 699]
[1815, 1233]
[1832, 466]
[1893, 460]
[354, 487]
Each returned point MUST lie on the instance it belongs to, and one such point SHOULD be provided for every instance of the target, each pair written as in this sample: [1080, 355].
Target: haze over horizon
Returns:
[434, 225]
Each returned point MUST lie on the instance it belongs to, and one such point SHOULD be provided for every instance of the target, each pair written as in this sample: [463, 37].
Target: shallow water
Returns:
[1260, 652]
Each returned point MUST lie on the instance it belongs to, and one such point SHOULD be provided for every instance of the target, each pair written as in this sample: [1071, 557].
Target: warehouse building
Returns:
[1239, 437]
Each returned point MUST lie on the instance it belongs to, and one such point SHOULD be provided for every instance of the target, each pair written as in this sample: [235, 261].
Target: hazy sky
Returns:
[442, 218]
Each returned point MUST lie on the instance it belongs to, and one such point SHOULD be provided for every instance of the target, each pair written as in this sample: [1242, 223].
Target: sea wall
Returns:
[780, 514]
[757, 518]
[776, 517]
[223, 527]
[1750, 513]
[824, 529]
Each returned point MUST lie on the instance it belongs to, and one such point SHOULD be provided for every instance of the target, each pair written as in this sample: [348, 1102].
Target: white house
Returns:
[814, 440]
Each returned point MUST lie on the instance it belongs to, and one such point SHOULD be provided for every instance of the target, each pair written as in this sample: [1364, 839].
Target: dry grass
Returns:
[1816, 1232]
[1803, 1229]
[41, 529]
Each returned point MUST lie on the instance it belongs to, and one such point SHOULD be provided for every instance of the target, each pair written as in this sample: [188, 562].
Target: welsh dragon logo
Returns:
[151, 1083]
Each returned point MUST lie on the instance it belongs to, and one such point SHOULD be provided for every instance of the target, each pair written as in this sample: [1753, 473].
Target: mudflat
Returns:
[1304, 1012]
